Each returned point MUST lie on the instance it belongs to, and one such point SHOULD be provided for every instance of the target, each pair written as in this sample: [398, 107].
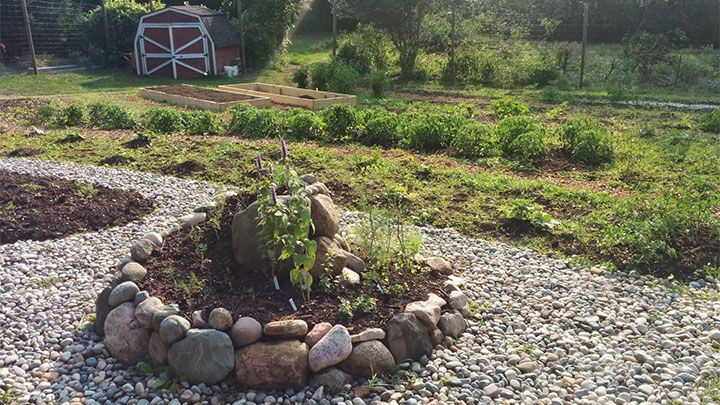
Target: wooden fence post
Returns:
[28, 31]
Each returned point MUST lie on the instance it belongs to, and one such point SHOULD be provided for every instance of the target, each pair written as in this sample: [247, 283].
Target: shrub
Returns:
[506, 107]
[340, 121]
[47, 114]
[123, 17]
[254, 123]
[592, 147]
[528, 147]
[472, 67]
[300, 77]
[384, 238]
[74, 116]
[586, 141]
[430, 131]
[552, 93]
[299, 124]
[365, 49]
[110, 116]
[710, 122]
[513, 126]
[334, 76]
[474, 140]
[204, 123]
[522, 138]
[379, 83]
[344, 79]
[165, 120]
[379, 127]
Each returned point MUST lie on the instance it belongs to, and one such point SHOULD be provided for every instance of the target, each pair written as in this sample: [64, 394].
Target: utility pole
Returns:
[586, 11]
[334, 22]
[107, 30]
[242, 35]
[453, 70]
[28, 31]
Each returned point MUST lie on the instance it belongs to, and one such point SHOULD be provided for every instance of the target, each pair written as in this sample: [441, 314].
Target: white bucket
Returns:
[232, 71]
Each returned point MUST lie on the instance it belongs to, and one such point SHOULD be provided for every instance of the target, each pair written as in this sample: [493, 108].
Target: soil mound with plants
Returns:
[41, 208]
[196, 269]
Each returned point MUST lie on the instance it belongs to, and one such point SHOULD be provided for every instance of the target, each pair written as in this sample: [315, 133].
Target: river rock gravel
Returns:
[541, 330]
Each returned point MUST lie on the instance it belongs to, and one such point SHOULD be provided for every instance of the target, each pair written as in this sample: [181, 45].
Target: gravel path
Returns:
[544, 333]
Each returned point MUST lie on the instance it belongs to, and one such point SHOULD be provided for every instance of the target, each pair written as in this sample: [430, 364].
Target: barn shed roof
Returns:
[218, 24]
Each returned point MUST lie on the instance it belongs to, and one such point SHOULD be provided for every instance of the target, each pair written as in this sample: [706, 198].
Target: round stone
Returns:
[204, 356]
[133, 271]
[220, 319]
[246, 331]
[122, 293]
[173, 328]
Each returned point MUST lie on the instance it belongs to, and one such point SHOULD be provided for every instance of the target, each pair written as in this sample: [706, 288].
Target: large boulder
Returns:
[204, 356]
[245, 240]
[273, 365]
[124, 338]
[102, 307]
[325, 217]
[407, 337]
[368, 358]
[427, 312]
[158, 349]
[327, 247]
[331, 349]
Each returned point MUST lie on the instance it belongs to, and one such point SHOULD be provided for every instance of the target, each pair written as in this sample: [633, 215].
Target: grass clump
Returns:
[586, 141]
[710, 122]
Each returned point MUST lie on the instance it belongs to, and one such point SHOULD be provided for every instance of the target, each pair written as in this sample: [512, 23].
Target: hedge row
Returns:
[518, 136]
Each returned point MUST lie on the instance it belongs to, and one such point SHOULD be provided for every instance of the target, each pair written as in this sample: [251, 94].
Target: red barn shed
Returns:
[185, 42]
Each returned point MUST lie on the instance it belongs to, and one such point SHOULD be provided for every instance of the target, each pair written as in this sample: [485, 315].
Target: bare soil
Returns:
[41, 208]
[202, 93]
[220, 282]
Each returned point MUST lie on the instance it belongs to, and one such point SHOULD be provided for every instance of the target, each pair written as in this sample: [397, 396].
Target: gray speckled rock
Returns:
[246, 331]
[204, 356]
[332, 349]
[332, 379]
[161, 313]
[325, 217]
[123, 292]
[220, 319]
[407, 337]
[133, 271]
[452, 324]
[368, 358]
[145, 310]
[141, 250]
[173, 328]
[126, 343]
[158, 349]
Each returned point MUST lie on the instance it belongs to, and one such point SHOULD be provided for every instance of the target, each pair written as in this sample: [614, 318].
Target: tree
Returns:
[401, 19]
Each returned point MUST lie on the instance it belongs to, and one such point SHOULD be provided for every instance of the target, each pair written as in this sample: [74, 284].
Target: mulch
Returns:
[202, 93]
[220, 282]
[42, 208]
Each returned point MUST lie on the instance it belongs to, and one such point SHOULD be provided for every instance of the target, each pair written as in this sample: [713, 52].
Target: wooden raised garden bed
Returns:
[310, 99]
[202, 98]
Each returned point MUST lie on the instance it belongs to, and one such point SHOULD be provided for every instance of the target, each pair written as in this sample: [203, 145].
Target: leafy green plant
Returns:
[379, 83]
[384, 238]
[166, 120]
[110, 116]
[522, 138]
[341, 121]
[334, 76]
[345, 310]
[474, 140]
[507, 107]
[86, 191]
[255, 123]
[74, 115]
[193, 285]
[285, 222]
[430, 131]
[301, 125]
[379, 128]
[526, 211]
[364, 305]
[301, 77]
[710, 122]
[586, 141]
[204, 123]
[47, 114]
